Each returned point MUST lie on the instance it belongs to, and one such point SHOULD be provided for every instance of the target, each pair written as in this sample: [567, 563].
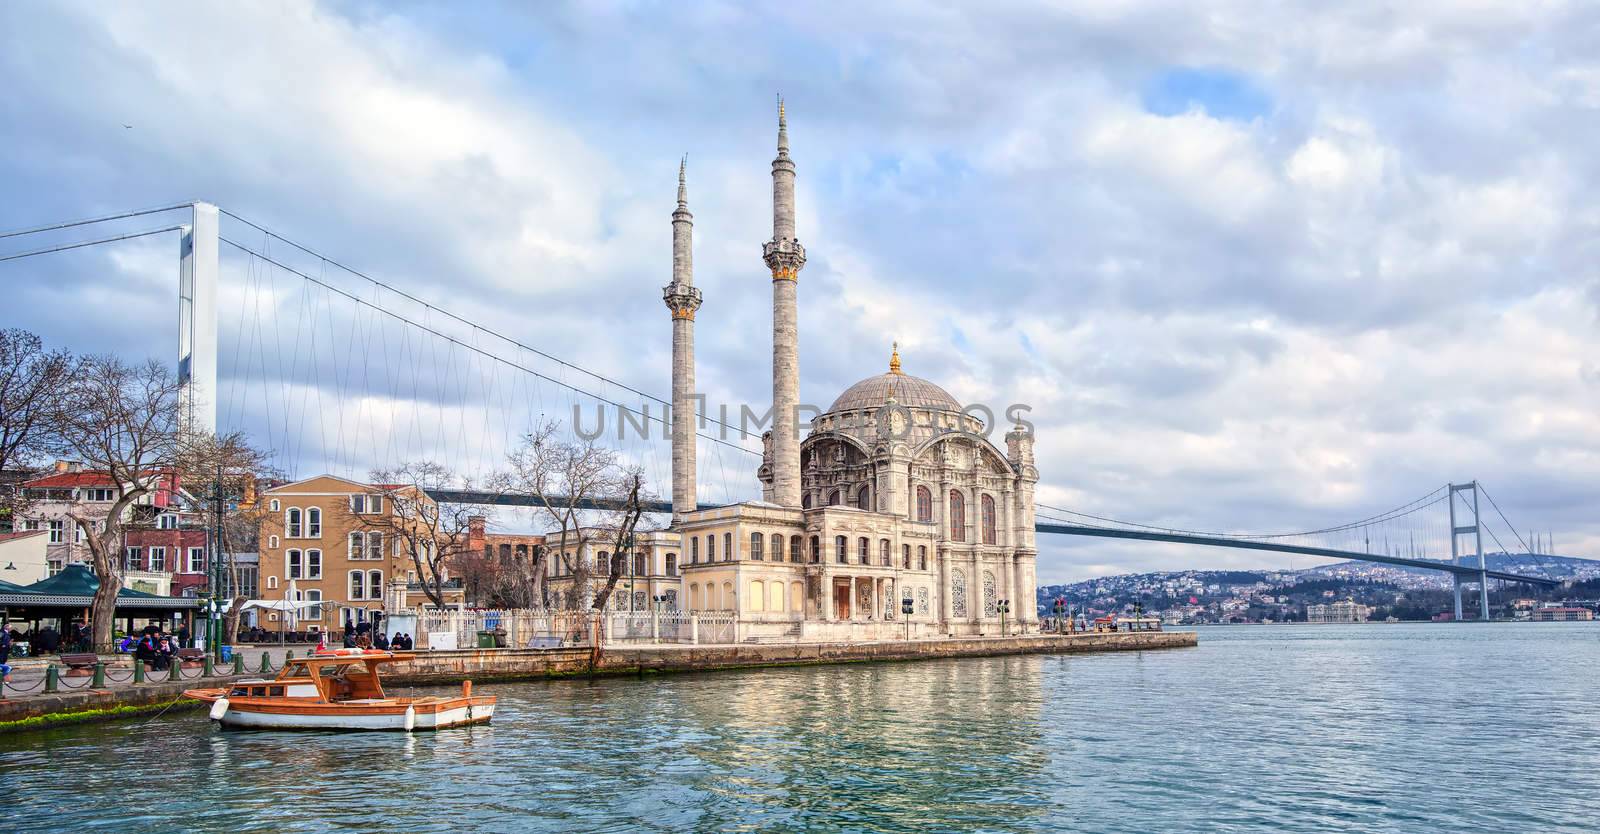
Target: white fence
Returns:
[444, 628]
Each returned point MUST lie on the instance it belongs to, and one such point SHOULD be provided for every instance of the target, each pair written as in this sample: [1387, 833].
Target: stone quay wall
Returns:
[445, 667]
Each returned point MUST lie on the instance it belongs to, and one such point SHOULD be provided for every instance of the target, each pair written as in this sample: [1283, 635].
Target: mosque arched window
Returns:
[672, 564]
[863, 549]
[756, 541]
[805, 501]
[958, 516]
[711, 548]
[841, 547]
[922, 557]
[816, 549]
[794, 550]
[987, 504]
[883, 553]
[864, 498]
[694, 550]
[905, 557]
[833, 498]
[777, 548]
[924, 504]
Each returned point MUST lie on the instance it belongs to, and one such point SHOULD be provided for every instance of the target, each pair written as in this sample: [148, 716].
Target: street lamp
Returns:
[1059, 607]
[906, 607]
[1004, 606]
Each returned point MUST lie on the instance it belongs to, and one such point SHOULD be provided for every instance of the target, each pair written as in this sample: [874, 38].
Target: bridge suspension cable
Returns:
[427, 305]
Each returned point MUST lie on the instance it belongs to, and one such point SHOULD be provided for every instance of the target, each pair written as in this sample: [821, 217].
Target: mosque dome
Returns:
[909, 391]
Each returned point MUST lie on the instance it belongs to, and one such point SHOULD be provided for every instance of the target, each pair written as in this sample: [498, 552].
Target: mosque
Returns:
[894, 501]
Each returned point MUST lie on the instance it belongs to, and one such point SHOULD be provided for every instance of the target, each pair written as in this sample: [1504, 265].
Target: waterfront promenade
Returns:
[26, 696]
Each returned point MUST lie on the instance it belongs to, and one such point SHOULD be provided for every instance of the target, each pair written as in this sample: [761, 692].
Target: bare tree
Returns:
[121, 420]
[221, 472]
[435, 535]
[32, 381]
[568, 478]
[621, 533]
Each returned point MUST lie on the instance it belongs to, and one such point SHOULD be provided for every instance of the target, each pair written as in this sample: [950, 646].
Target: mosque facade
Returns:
[895, 501]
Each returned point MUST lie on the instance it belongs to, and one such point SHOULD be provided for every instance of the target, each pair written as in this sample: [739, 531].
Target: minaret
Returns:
[683, 299]
[784, 257]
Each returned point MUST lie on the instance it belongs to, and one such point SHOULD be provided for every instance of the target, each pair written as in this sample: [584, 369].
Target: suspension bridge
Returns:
[337, 371]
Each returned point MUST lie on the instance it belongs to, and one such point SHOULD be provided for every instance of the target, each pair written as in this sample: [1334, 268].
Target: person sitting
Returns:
[147, 653]
[410, 644]
[349, 639]
[166, 647]
[379, 641]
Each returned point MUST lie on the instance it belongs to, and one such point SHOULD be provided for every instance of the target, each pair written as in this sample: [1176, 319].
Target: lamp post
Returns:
[656, 601]
[906, 608]
[1004, 606]
[1059, 607]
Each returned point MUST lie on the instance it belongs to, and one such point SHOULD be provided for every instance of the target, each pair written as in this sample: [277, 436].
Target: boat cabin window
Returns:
[275, 691]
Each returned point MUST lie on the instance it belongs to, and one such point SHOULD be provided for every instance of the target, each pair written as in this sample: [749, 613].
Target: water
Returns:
[1296, 728]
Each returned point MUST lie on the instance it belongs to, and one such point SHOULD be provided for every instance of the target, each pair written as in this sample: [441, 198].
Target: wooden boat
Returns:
[338, 690]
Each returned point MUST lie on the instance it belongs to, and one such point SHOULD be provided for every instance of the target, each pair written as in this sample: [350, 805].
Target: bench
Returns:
[191, 658]
[80, 665]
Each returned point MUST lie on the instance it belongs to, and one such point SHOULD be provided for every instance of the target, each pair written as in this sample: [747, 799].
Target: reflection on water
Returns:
[1320, 728]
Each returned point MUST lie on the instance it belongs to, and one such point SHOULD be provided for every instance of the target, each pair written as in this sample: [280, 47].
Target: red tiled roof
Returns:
[65, 480]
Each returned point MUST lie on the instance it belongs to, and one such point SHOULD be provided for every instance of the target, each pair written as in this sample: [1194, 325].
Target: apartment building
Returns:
[330, 540]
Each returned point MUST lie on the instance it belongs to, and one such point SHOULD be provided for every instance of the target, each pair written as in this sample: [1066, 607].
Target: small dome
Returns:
[909, 391]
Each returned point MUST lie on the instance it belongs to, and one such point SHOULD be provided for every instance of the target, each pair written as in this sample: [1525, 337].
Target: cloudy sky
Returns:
[1254, 267]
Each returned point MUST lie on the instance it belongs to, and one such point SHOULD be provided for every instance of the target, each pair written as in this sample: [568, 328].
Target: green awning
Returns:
[74, 587]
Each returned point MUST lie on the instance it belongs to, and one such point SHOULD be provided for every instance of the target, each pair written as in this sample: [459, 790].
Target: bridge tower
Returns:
[1476, 531]
[198, 258]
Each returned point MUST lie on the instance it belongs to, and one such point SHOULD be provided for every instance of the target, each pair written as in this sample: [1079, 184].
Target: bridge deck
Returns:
[1465, 571]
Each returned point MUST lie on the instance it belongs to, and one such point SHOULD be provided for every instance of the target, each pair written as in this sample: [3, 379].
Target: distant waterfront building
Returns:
[1344, 611]
[1560, 615]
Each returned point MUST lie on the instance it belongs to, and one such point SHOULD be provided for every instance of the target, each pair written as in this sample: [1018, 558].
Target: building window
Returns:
[905, 556]
[864, 498]
[777, 548]
[132, 559]
[100, 494]
[841, 547]
[167, 521]
[805, 501]
[274, 506]
[755, 547]
[816, 549]
[374, 545]
[291, 522]
[862, 551]
[58, 531]
[357, 547]
[296, 564]
[794, 550]
[987, 505]
[311, 613]
[922, 557]
[727, 547]
[272, 583]
[158, 558]
[833, 498]
[375, 584]
[958, 516]
[711, 548]
[358, 584]
[640, 568]
[672, 564]
[313, 564]
[883, 553]
[366, 504]
[694, 551]
[314, 523]
[197, 560]
[924, 504]
[272, 542]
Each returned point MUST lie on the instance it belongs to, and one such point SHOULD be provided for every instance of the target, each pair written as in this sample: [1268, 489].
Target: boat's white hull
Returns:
[436, 720]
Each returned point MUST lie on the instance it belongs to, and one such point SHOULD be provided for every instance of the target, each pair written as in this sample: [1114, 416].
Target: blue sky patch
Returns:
[1221, 93]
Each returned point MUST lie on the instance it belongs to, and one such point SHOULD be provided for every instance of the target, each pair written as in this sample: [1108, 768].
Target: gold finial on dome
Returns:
[894, 359]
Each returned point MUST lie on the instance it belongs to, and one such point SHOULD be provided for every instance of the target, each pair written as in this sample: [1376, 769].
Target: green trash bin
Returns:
[485, 639]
